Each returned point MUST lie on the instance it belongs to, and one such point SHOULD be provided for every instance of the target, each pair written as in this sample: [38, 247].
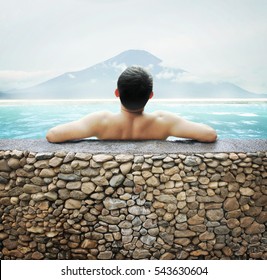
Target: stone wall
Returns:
[79, 205]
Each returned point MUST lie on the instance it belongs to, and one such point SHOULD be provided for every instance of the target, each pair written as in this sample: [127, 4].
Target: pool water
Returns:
[31, 120]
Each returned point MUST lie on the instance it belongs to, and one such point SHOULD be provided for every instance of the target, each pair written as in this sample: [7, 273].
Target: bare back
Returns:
[131, 126]
[144, 126]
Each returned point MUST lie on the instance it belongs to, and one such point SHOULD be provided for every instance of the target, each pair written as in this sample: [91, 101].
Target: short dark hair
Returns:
[135, 85]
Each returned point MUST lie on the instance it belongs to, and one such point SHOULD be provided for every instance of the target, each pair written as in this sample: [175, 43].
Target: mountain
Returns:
[4, 95]
[100, 80]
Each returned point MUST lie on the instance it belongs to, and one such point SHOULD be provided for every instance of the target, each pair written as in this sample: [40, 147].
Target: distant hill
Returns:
[99, 81]
[4, 95]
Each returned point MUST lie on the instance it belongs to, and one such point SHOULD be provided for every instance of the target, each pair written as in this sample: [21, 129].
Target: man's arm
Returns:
[83, 128]
[180, 127]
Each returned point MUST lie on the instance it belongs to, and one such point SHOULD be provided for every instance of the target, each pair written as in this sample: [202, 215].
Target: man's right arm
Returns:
[180, 127]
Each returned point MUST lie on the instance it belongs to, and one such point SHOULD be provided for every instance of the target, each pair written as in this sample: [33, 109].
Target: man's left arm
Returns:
[83, 128]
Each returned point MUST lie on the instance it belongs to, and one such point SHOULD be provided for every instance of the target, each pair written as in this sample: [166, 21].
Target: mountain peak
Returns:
[134, 57]
[99, 81]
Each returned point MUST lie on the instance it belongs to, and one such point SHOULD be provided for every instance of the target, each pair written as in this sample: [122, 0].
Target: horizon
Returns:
[200, 38]
[153, 100]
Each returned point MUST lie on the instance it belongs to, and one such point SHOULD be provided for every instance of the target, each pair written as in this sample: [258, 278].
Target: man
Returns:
[134, 88]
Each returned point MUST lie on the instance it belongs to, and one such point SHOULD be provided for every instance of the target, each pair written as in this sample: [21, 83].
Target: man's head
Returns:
[135, 87]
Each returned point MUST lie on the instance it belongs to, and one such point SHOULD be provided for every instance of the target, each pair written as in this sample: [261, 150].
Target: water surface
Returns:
[31, 120]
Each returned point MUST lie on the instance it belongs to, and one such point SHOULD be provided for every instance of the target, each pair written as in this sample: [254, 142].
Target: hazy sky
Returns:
[213, 39]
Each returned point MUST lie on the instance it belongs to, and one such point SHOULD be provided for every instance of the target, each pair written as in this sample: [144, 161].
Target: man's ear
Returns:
[117, 94]
[151, 95]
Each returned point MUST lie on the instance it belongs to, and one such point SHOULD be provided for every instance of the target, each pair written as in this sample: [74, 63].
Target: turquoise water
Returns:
[31, 120]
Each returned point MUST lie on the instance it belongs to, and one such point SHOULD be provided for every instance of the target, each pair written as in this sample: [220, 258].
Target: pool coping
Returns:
[136, 147]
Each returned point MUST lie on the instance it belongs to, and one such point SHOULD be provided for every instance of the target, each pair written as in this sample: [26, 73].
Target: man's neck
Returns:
[131, 113]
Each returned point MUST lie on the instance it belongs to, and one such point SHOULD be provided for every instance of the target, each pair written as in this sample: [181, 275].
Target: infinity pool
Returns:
[31, 120]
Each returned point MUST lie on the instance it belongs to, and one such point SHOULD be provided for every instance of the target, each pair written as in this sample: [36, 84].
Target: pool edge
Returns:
[136, 147]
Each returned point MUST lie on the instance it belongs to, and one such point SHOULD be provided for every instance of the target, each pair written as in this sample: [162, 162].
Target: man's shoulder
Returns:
[97, 117]
[100, 114]
[164, 115]
[104, 113]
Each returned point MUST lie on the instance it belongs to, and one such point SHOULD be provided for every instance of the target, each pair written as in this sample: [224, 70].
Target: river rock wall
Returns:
[66, 205]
